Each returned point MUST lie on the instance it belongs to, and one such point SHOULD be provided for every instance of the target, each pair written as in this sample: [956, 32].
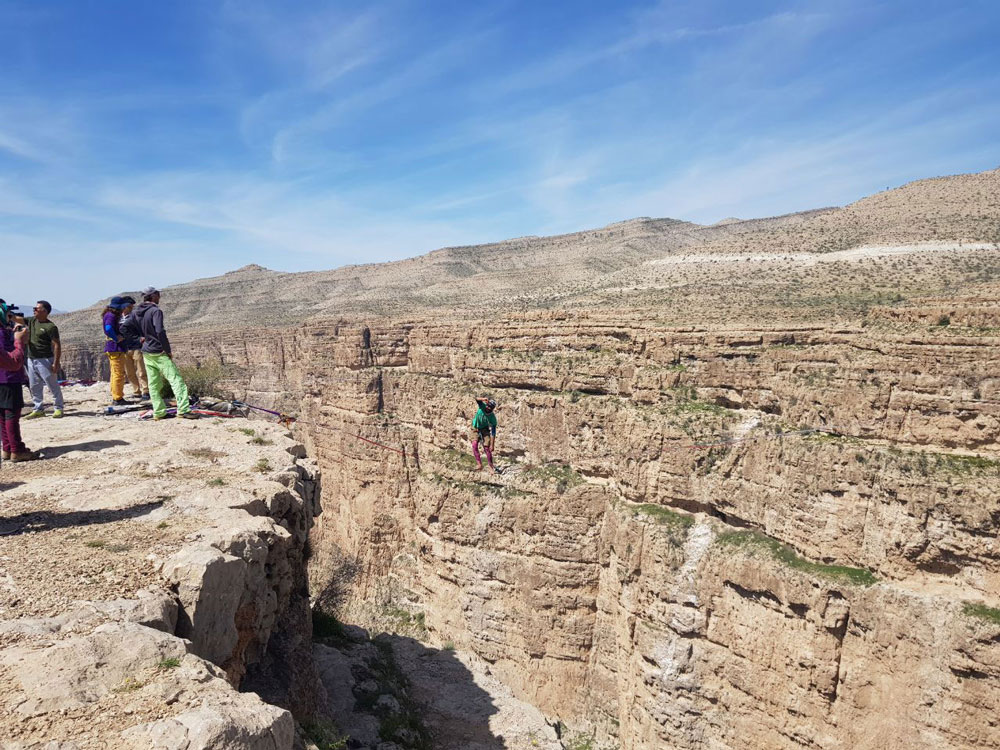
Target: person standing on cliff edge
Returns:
[44, 350]
[146, 322]
[484, 429]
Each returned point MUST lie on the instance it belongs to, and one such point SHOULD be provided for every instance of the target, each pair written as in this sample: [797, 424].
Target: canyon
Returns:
[748, 495]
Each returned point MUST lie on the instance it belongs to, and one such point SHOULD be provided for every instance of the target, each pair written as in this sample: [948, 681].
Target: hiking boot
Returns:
[188, 415]
[144, 397]
[35, 414]
[57, 413]
[24, 456]
[119, 402]
[4, 456]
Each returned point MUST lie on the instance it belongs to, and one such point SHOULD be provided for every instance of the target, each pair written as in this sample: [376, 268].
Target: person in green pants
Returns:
[146, 322]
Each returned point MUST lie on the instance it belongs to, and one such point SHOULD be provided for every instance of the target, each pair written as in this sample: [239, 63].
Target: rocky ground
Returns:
[100, 572]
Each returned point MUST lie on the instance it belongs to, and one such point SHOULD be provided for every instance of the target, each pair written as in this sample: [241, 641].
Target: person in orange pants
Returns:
[135, 368]
[114, 349]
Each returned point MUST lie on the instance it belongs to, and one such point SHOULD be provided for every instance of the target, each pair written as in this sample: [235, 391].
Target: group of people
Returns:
[30, 351]
[137, 347]
[138, 351]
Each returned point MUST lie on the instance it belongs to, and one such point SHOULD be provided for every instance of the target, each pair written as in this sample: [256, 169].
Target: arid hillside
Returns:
[949, 228]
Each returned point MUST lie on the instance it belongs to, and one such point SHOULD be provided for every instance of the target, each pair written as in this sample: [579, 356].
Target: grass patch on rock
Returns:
[324, 735]
[754, 540]
[454, 459]
[981, 612]
[662, 515]
[562, 476]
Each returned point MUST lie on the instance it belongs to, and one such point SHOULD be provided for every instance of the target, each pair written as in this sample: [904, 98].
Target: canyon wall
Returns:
[776, 537]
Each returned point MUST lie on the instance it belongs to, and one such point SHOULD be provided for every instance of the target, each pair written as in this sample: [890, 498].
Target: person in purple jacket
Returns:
[12, 383]
[113, 347]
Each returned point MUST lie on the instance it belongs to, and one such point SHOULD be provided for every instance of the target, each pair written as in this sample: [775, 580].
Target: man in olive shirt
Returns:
[43, 360]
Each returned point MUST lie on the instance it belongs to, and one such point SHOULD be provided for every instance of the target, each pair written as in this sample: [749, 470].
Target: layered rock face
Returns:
[749, 496]
[771, 537]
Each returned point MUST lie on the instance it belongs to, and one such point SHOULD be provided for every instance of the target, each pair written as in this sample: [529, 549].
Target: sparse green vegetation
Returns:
[561, 475]
[95, 544]
[118, 547]
[580, 741]
[663, 515]
[404, 622]
[404, 726]
[262, 465]
[172, 663]
[686, 401]
[479, 489]
[454, 459]
[944, 320]
[325, 735]
[327, 628]
[957, 464]
[163, 525]
[787, 556]
[216, 482]
[258, 440]
[207, 379]
[248, 431]
[981, 612]
[448, 646]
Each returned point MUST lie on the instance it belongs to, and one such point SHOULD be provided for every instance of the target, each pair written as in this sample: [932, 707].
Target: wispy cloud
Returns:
[314, 134]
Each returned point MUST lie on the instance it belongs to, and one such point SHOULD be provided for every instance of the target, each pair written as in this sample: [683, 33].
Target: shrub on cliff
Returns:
[208, 379]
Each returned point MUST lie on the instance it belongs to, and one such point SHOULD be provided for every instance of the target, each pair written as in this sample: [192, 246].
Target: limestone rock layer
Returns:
[773, 537]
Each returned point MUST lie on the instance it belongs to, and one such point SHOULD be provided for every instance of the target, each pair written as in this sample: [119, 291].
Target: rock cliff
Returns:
[704, 537]
[749, 489]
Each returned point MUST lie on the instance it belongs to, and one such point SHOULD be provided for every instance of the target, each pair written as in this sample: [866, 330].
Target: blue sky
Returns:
[157, 142]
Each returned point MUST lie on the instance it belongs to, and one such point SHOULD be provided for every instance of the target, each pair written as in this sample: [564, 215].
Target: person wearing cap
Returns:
[484, 429]
[113, 341]
[147, 323]
[135, 369]
[44, 350]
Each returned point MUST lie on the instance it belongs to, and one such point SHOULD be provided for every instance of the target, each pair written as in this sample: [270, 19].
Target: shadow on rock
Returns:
[395, 692]
[55, 451]
[28, 523]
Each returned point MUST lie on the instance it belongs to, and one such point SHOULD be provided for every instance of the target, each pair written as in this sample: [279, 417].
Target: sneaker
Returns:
[119, 402]
[188, 415]
[35, 414]
[4, 455]
[145, 396]
[158, 417]
[57, 413]
[24, 456]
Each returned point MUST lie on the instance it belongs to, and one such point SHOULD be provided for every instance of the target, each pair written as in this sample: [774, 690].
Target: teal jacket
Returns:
[482, 421]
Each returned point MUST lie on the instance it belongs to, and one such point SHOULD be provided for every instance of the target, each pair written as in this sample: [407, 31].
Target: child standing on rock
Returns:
[484, 428]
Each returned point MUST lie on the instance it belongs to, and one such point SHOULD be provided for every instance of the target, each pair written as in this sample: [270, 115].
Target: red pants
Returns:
[10, 430]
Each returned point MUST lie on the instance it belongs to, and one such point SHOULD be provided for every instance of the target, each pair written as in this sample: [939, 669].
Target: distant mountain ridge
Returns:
[531, 272]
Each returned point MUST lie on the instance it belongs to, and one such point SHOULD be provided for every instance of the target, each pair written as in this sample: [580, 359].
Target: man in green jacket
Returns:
[484, 428]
